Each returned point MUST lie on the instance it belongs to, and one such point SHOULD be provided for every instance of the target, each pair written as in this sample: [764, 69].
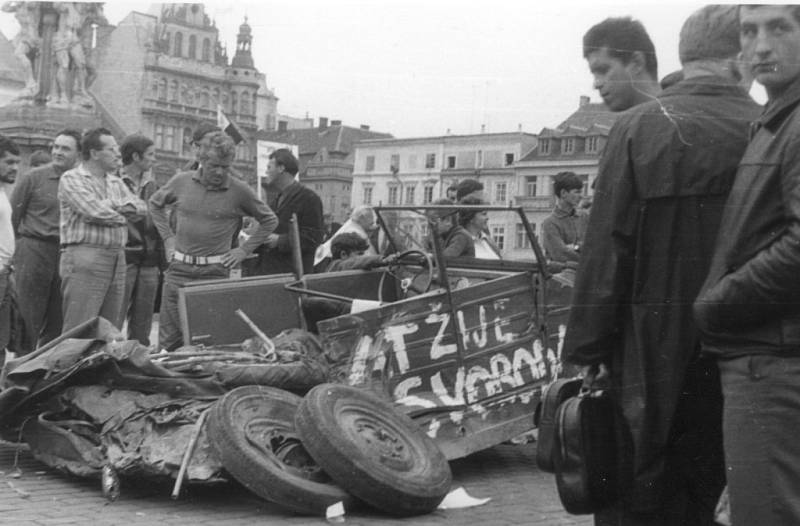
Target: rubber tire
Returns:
[249, 409]
[340, 427]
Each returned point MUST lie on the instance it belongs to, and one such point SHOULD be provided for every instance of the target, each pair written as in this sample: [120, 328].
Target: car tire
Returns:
[371, 449]
[252, 430]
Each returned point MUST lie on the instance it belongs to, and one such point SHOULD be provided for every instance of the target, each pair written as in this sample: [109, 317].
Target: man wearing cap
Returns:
[671, 163]
[209, 207]
[200, 141]
[748, 308]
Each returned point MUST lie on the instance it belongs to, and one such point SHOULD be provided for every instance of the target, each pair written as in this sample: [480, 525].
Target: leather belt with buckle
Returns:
[196, 260]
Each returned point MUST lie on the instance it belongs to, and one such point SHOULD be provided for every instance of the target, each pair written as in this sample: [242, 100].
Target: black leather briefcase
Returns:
[553, 396]
[585, 452]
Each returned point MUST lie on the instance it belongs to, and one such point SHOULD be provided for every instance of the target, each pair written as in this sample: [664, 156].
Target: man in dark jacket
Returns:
[275, 256]
[144, 253]
[749, 306]
[670, 163]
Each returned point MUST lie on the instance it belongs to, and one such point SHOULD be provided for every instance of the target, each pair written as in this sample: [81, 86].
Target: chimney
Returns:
[336, 123]
[323, 123]
[283, 126]
[364, 127]
[584, 101]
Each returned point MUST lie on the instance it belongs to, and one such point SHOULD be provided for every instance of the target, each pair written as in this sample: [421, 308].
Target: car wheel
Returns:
[252, 430]
[371, 449]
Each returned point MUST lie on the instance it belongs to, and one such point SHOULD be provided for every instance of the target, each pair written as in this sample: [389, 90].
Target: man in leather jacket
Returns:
[749, 307]
[659, 197]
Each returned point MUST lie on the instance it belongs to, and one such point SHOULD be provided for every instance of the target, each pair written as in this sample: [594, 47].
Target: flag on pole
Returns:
[228, 126]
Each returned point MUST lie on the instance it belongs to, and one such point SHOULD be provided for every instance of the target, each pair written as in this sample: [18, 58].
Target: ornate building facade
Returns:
[166, 72]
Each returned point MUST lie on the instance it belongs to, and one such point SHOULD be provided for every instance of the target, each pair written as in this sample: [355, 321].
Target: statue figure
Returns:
[70, 58]
[27, 42]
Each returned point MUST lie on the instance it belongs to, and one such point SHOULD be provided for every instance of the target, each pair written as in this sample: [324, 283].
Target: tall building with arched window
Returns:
[175, 78]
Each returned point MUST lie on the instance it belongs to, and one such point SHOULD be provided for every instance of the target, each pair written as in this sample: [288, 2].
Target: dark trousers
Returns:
[38, 290]
[141, 288]
[762, 438]
[694, 470]
[170, 336]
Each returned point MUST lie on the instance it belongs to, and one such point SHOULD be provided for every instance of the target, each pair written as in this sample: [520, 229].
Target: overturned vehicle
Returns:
[360, 388]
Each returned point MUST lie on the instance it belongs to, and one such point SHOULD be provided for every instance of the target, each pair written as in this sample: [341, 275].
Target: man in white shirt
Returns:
[9, 166]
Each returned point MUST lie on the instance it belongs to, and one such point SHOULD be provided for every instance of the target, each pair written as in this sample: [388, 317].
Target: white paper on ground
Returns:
[362, 305]
[459, 498]
[335, 512]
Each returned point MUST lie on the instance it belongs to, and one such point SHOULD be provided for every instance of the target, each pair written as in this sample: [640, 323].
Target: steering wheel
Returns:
[418, 282]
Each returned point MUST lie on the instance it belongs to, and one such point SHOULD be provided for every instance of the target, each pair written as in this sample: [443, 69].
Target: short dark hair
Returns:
[135, 143]
[284, 157]
[795, 9]
[466, 187]
[7, 146]
[91, 141]
[71, 132]
[566, 181]
[38, 158]
[622, 37]
[465, 216]
[347, 242]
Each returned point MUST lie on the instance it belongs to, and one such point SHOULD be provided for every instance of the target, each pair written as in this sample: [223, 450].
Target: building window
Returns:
[499, 236]
[206, 50]
[187, 141]
[367, 196]
[234, 102]
[530, 186]
[192, 47]
[509, 159]
[430, 160]
[318, 187]
[394, 163]
[169, 138]
[522, 240]
[479, 159]
[394, 192]
[159, 136]
[592, 143]
[410, 191]
[173, 91]
[244, 104]
[427, 194]
[568, 146]
[544, 146]
[500, 192]
[254, 107]
[216, 97]
[370, 166]
[178, 44]
[204, 102]
[162, 89]
[451, 161]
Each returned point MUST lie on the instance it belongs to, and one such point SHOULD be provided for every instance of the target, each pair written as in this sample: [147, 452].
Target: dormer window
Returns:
[592, 144]
[568, 145]
[544, 146]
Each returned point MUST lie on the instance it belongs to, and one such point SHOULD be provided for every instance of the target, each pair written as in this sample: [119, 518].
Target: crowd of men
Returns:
[685, 297]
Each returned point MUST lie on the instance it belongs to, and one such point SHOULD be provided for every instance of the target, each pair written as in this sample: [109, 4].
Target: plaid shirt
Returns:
[89, 209]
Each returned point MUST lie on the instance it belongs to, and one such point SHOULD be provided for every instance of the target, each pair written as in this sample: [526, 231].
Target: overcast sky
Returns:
[420, 67]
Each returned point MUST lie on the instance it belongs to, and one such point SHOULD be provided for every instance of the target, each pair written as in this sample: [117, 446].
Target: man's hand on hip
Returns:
[234, 257]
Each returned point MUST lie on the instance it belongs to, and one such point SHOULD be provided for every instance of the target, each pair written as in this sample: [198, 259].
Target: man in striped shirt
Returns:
[95, 208]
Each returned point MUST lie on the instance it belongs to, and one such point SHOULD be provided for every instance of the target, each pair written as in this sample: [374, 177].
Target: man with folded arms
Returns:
[209, 206]
[95, 206]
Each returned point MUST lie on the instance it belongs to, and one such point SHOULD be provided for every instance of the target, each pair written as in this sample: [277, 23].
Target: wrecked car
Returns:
[451, 355]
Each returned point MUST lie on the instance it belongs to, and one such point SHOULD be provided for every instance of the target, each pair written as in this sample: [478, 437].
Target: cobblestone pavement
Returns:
[520, 495]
